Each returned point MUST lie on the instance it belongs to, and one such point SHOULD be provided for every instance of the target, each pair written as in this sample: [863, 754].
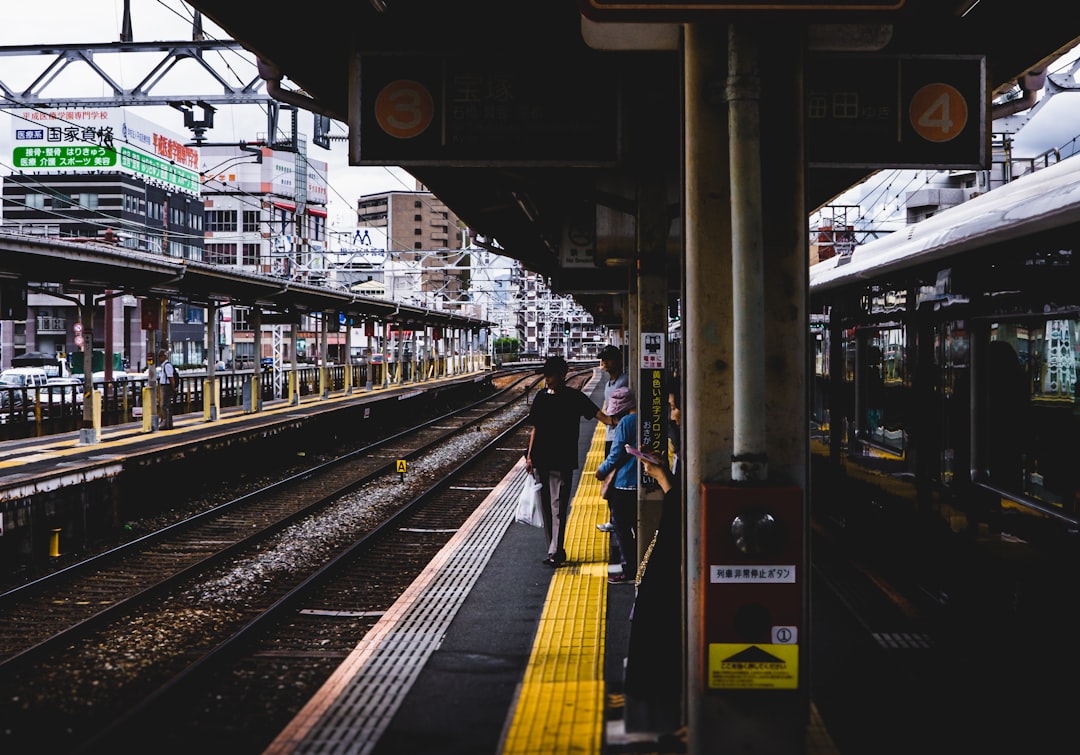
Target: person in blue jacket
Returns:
[622, 496]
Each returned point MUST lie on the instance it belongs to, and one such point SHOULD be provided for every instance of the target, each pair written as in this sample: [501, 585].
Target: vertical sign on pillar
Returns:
[651, 388]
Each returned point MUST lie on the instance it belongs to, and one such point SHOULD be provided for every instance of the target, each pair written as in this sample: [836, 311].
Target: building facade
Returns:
[102, 175]
[266, 214]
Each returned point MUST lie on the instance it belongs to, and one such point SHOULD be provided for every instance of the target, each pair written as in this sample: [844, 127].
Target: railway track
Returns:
[89, 653]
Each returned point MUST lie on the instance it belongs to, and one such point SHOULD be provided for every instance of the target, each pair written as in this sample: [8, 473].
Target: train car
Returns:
[944, 369]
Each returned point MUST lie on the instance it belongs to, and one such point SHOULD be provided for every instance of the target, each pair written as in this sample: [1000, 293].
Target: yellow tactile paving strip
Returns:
[560, 706]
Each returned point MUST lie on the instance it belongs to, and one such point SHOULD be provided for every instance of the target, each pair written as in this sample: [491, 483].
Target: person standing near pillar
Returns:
[611, 362]
[167, 381]
[556, 415]
[622, 495]
[653, 676]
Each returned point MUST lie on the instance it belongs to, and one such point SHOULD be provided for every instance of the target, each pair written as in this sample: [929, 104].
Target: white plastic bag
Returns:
[529, 503]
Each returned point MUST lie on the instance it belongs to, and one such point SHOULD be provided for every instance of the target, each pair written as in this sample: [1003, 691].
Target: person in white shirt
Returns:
[167, 380]
[611, 362]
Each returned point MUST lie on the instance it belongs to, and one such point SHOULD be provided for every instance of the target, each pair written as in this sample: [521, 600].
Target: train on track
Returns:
[944, 368]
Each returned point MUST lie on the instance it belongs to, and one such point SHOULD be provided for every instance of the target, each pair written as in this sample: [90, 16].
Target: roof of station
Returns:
[606, 96]
[100, 267]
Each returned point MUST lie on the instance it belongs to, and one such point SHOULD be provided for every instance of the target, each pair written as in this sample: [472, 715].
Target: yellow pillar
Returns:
[147, 409]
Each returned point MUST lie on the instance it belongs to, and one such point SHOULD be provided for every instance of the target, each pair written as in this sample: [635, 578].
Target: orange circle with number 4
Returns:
[404, 109]
[938, 112]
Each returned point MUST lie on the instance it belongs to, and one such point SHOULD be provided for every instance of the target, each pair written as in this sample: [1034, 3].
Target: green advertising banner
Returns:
[81, 139]
[52, 158]
[160, 170]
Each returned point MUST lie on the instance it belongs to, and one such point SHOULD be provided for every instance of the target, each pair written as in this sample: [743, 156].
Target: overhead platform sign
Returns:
[472, 111]
[872, 111]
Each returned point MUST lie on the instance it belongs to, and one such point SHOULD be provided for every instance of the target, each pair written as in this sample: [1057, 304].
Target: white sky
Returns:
[100, 21]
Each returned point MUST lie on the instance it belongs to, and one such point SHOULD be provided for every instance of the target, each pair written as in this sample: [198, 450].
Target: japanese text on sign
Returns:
[652, 351]
[756, 574]
[653, 427]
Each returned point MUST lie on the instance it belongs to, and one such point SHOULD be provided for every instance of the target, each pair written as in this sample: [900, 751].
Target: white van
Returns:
[24, 377]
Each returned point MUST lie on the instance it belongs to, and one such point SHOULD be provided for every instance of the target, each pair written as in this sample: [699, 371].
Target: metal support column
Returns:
[255, 386]
[324, 355]
[211, 391]
[707, 346]
[650, 324]
[738, 355]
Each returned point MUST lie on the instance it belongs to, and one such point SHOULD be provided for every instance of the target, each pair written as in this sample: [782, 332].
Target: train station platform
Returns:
[492, 651]
[27, 460]
[59, 484]
[489, 650]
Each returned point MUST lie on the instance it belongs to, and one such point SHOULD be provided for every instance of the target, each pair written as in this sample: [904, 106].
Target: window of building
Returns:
[221, 221]
[62, 200]
[417, 231]
[251, 254]
[282, 220]
[88, 200]
[417, 218]
[418, 245]
[35, 201]
[221, 254]
[251, 221]
[241, 318]
[418, 204]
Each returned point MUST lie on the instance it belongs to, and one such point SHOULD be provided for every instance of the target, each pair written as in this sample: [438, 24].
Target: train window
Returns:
[1028, 385]
[952, 347]
[882, 379]
[850, 349]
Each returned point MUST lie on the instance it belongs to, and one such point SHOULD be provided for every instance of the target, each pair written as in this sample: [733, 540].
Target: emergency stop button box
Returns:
[756, 581]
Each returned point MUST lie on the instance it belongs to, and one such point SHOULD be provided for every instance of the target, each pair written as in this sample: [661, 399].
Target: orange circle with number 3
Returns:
[938, 112]
[404, 109]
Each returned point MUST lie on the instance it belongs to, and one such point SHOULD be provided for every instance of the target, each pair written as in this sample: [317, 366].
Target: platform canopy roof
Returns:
[618, 105]
[102, 270]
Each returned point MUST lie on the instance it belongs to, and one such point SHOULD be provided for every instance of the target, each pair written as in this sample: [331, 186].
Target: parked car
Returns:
[24, 377]
[117, 376]
[17, 387]
[61, 390]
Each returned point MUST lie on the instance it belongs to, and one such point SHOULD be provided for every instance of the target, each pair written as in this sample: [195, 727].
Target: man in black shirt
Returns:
[556, 415]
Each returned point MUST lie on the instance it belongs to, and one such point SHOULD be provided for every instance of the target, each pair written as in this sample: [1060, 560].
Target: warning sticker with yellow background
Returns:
[739, 666]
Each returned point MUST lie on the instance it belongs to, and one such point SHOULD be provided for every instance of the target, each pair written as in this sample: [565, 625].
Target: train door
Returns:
[943, 390]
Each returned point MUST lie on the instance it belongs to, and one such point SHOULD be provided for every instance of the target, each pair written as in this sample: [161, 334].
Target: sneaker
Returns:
[618, 579]
[606, 527]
